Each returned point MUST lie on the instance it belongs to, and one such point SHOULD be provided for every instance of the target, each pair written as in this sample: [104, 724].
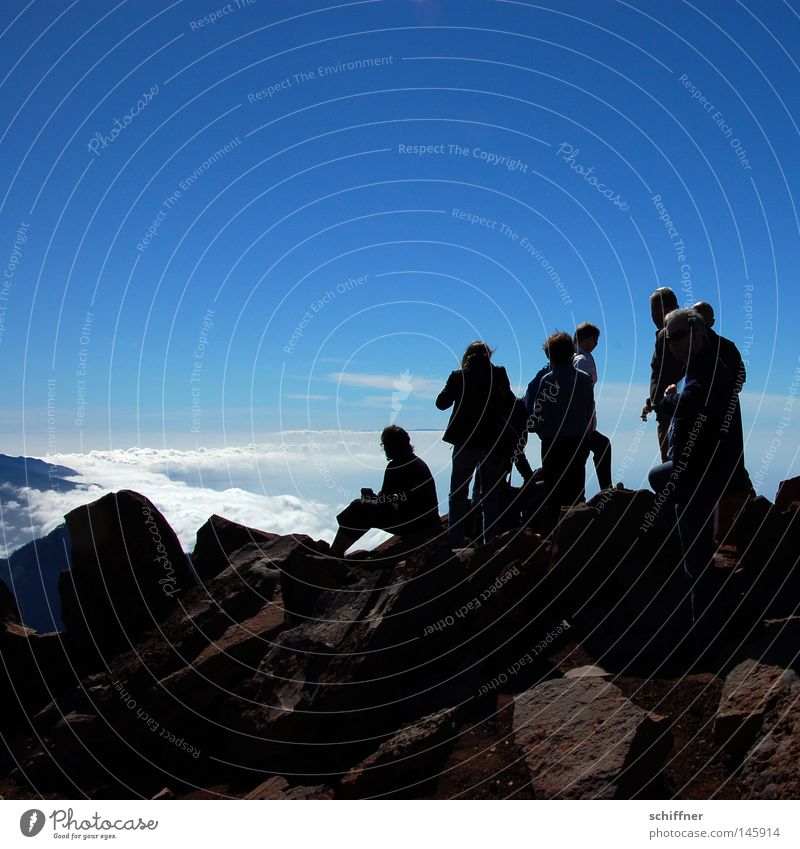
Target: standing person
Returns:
[406, 504]
[665, 369]
[481, 397]
[586, 338]
[562, 414]
[691, 482]
[726, 350]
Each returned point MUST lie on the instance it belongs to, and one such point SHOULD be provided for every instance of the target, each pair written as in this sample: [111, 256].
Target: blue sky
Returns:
[260, 237]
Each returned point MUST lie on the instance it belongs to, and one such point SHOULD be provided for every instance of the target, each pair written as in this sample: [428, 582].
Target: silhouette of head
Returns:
[477, 354]
[559, 348]
[686, 334]
[662, 301]
[587, 336]
[396, 443]
[706, 311]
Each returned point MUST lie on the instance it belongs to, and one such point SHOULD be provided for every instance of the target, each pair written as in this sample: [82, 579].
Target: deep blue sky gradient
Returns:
[316, 192]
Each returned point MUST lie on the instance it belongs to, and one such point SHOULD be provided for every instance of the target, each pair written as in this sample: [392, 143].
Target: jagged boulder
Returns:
[128, 572]
[771, 768]
[277, 788]
[217, 539]
[410, 755]
[788, 494]
[164, 700]
[756, 684]
[9, 612]
[616, 573]
[363, 667]
[583, 739]
[33, 669]
[768, 548]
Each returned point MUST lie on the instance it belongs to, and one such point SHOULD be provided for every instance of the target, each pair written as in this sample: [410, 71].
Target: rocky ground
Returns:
[533, 667]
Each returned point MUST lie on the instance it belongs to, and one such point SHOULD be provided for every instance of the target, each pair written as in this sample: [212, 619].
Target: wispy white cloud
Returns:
[422, 387]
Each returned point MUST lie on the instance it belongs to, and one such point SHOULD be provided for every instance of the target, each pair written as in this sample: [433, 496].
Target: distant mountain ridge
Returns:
[36, 474]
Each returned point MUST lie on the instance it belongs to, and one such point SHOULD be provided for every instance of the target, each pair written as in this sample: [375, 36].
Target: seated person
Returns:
[406, 504]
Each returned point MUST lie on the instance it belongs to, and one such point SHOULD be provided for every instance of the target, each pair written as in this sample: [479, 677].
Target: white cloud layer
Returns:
[298, 481]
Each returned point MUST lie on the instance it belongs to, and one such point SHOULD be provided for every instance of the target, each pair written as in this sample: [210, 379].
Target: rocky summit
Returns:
[547, 667]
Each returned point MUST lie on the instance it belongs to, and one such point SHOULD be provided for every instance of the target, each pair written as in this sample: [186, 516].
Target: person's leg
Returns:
[571, 454]
[345, 537]
[663, 438]
[579, 456]
[354, 521]
[559, 477]
[659, 477]
[696, 529]
[600, 446]
[490, 474]
[464, 461]
[523, 466]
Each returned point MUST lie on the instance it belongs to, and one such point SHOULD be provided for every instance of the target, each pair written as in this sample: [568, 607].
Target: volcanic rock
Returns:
[9, 612]
[583, 739]
[756, 684]
[788, 493]
[217, 539]
[278, 788]
[128, 571]
[413, 753]
[771, 768]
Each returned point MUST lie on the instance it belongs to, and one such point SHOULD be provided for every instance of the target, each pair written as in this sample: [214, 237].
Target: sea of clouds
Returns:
[297, 481]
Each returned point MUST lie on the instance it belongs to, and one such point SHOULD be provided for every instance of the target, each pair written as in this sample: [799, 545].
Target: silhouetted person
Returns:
[561, 414]
[514, 440]
[481, 397]
[406, 504]
[739, 479]
[586, 338]
[665, 369]
[691, 482]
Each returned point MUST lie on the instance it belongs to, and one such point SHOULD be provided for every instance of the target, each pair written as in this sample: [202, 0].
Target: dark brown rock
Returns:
[278, 788]
[217, 539]
[768, 547]
[306, 575]
[755, 685]
[412, 754]
[9, 612]
[788, 492]
[771, 769]
[128, 571]
[749, 690]
[583, 739]
[33, 669]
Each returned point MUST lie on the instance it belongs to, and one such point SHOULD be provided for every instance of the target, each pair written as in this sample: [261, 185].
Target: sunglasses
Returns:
[678, 335]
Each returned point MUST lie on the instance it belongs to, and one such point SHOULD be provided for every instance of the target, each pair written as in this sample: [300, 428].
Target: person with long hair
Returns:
[482, 401]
